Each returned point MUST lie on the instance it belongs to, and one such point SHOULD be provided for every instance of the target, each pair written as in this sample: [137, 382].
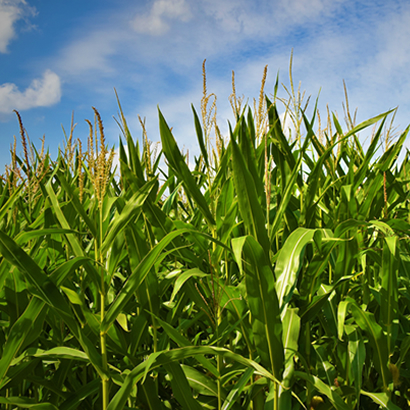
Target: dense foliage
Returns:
[272, 273]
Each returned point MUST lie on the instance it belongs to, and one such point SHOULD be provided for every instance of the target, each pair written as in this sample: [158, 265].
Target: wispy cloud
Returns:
[155, 22]
[177, 34]
[10, 12]
[92, 53]
[41, 93]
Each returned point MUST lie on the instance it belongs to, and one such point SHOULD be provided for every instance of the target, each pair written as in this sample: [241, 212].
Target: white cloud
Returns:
[155, 23]
[90, 53]
[41, 93]
[10, 12]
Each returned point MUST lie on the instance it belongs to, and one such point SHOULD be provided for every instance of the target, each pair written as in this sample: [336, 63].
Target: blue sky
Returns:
[57, 57]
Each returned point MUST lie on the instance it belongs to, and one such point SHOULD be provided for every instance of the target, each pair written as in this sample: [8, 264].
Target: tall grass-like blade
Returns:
[59, 353]
[381, 399]
[72, 239]
[278, 136]
[180, 387]
[73, 195]
[362, 125]
[290, 337]
[237, 390]
[19, 332]
[312, 184]
[377, 340]
[249, 206]
[246, 142]
[131, 210]
[133, 151]
[263, 302]
[36, 308]
[183, 277]
[341, 315]
[324, 389]
[178, 164]
[390, 156]
[25, 403]
[10, 202]
[80, 395]
[363, 171]
[161, 224]
[200, 136]
[26, 236]
[357, 356]
[175, 355]
[182, 341]
[288, 264]
[388, 291]
[148, 390]
[201, 383]
[45, 289]
[33, 273]
[287, 196]
[139, 274]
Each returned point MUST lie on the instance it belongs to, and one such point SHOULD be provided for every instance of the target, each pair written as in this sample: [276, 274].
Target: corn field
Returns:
[271, 271]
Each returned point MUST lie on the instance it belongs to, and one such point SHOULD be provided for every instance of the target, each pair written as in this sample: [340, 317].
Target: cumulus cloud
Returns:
[10, 12]
[155, 23]
[41, 93]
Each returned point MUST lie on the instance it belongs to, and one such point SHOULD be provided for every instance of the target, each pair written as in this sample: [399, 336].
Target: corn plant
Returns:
[275, 274]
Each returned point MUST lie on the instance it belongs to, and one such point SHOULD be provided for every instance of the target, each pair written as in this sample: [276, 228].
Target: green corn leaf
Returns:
[235, 392]
[381, 399]
[73, 195]
[288, 190]
[162, 358]
[19, 332]
[56, 352]
[390, 156]
[246, 142]
[200, 136]
[23, 327]
[133, 151]
[404, 349]
[290, 337]
[388, 291]
[341, 315]
[377, 339]
[26, 236]
[263, 302]
[177, 162]
[75, 399]
[357, 356]
[182, 341]
[324, 389]
[45, 290]
[148, 391]
[361, 173]
[249, 206]
[72, 239]
[183, 277]
[288, 263]
[130, 211]
[10, 202]
[25, 403]
[201, 383]
[278, 136]
[139, 274]
[180, 387]
[313, 182]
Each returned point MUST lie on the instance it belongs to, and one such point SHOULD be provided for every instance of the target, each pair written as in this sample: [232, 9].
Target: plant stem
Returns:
[103, 335]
